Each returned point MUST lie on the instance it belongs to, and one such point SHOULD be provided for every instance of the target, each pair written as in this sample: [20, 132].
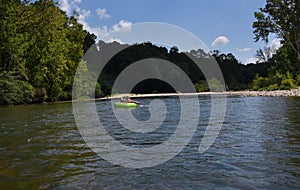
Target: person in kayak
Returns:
[126, 99]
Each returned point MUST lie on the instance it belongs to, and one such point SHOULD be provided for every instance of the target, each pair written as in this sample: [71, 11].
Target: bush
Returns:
[54, 92]
[259, 83]
[298, 80]
[272, 87]
[14, 91]
[202, 86]
[287, 82]
[83, 85]
[213, 85]
[98, 91]
[277, 82]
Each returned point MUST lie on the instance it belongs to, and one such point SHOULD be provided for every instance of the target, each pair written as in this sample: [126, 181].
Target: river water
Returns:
[258, 148]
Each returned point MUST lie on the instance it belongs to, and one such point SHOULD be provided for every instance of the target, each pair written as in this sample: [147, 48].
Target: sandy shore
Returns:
[276, 93]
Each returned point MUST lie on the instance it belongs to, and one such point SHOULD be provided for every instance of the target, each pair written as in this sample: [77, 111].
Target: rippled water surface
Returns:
[258, 148]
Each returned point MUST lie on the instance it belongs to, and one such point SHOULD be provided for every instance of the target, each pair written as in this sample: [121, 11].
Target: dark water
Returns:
[257, 148]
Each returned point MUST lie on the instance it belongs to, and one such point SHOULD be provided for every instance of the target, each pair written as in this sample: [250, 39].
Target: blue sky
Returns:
[225, 25]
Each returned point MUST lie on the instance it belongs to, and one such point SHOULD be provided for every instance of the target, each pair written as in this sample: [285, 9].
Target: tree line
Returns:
[41, 48]
[237, 76]
[279, 17]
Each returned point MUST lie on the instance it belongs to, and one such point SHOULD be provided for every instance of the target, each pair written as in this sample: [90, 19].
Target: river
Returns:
[258, 148]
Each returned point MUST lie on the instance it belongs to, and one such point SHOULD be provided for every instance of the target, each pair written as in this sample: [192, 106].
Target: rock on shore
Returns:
[276, 93]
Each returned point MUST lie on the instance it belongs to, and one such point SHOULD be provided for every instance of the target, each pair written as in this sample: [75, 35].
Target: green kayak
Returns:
[125, 105]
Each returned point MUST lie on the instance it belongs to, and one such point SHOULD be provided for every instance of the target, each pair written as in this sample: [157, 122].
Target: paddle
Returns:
[135, 102]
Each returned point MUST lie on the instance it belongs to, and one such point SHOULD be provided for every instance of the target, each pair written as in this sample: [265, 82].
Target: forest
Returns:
[41, 48]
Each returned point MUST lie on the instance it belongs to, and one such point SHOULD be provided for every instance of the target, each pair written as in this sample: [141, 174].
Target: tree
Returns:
[280, 17]
[264, 55]
[55, 47]
[40, 47]
[84, 86]
[15, 91]
[174, 50]
[90, 39]
[285, 60]
[12, 42]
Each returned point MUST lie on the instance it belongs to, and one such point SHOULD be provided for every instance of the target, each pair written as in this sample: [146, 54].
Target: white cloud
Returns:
[65, 6]
[102, 13]
[220, 41]
[251, 60]
[275, 45]
[115, 40]
[84, 14]
[122, 26]
[268, 51]
[243, 49]
[69, 6]
[103, 32]
[98, 31]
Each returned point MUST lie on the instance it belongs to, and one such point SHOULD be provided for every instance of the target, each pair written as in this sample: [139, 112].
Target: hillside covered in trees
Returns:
[41, 48]
[237, 76]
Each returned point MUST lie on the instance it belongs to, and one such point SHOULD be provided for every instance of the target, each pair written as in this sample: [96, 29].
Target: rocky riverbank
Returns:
[275, 93]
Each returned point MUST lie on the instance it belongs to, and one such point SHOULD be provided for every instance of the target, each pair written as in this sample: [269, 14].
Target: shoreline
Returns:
[246, 93]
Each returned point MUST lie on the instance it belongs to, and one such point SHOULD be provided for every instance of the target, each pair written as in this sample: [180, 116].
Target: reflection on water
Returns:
[258, 148]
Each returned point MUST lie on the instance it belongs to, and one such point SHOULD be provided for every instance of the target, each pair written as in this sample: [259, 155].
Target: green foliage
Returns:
[272, 87]
[274, 82]
[83, 86]
[236, 75]
[59, 47]
[298, 80]
[212, 84]
[98, 92]
[15, 91]
[12, 43]
[90, 39]
[287, 82]
[282, 75]
[54, 92]
[215, 85]
[280, 17]
[202, 86]
[42, 46]
[285, 60]
[106, 81]
[259, 83]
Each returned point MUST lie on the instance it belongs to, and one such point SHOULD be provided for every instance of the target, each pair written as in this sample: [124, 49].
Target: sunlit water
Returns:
[257, 148]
